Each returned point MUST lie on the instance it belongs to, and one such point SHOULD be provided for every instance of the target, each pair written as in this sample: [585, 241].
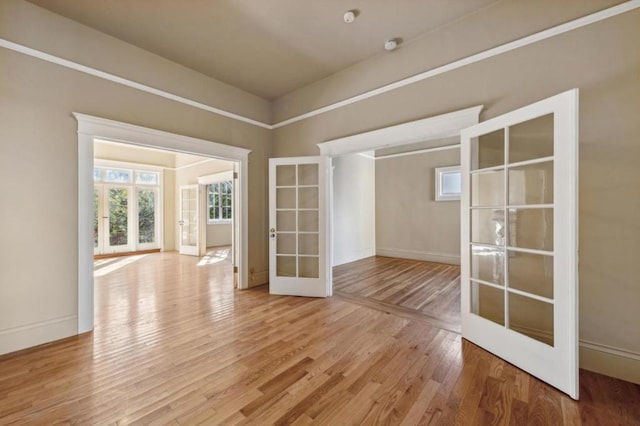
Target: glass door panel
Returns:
[519, 297]
[189, 218]
[295, 253]
[118, 219]
[147, 219]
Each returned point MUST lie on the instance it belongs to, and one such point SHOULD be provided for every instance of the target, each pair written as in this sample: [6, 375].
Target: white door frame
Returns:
[90, 128]
[432, 128]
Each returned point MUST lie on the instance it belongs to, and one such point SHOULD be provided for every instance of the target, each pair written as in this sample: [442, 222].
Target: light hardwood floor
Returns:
[419, 290]
[175, 344]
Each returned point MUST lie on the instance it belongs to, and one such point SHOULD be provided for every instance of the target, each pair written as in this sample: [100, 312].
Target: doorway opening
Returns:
[123, 230]
[382, 190]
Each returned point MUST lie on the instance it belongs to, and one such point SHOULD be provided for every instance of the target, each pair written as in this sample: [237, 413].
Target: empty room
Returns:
[200, 198]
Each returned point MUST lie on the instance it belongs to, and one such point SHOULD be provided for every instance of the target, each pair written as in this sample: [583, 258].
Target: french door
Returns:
[191, 221]
[125, 219]
[519, 238]
[297, 257]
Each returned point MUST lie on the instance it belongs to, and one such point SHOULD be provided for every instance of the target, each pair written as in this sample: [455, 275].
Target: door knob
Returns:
[272, 230]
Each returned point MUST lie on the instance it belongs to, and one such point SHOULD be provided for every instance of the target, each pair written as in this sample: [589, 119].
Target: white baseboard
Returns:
[352, 257]
[610, 361]
[25, 336]
[258, 278]
[452, 259]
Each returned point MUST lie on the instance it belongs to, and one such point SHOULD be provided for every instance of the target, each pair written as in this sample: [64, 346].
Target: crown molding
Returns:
[486, 54]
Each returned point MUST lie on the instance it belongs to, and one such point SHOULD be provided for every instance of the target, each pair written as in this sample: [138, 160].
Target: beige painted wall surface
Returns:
[38, 150]
[603, 61]
[409, 222]
[354, 214]
[37, 28]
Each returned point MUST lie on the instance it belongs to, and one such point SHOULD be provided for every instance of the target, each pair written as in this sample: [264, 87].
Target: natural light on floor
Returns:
[214, 256]
[103, 267]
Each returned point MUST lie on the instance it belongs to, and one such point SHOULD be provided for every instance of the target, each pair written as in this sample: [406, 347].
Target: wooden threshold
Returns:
[126, 253]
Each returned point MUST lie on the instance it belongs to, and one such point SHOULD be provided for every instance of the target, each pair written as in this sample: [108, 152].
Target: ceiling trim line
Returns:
[126, 82]
[507, 47]
[489, 53]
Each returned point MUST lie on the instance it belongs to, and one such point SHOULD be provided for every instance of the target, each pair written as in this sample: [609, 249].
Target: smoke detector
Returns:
[349, 16]
[391, 44]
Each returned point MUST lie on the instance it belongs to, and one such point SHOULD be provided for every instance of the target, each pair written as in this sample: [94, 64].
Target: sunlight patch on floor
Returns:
[103, 267]
[214, 256]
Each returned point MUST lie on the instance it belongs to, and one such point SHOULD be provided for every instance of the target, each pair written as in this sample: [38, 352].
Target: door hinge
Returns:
[235, 175]
[235, 269]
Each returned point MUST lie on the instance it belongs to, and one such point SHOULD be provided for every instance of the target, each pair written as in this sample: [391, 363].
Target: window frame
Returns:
[440, 172]
[218, 184]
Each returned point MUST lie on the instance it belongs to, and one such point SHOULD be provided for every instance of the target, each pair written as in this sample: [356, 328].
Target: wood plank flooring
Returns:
[420, 290]
[176, 344]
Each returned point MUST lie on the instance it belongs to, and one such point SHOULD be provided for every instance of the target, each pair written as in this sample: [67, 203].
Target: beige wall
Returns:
[409, 222]
[38, 158]
[603, 61]
[354, 213]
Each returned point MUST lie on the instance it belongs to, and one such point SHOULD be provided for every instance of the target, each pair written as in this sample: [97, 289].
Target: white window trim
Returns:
[440, 171]
[215, 178]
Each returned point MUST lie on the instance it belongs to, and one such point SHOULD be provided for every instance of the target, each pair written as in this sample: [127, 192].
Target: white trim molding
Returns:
[37, 333]
[610, 361]
[90, 128]
[432, 128]
[486, 54]
[425, 256]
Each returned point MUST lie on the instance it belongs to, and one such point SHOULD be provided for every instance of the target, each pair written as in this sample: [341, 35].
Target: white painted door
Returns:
[189, 220]
[519, 238]
[297, 257]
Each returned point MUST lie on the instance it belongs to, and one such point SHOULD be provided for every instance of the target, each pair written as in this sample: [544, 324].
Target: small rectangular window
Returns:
[97, 174]
[146, 178]
[117, 175]
[448, 183]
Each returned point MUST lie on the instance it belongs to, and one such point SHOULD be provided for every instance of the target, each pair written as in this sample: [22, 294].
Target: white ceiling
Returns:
[266, 47]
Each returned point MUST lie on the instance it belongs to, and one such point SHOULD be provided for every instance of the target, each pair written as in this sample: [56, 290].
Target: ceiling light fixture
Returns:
[391, 44]
[349, 16]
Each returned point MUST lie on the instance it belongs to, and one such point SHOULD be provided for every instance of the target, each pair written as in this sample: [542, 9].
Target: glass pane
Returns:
[488, 150]
[531, 317]
[308, 198]
[531, 228]
[286, 221]
[286, 266]
[286, 175]
[286, 243]
[487, 264]
[308, 243]
[531, 139]
[146, 216]
[96, 194]
[451, 183]
[487, 226]
[487, 188]
[118, 216]
[146, 178]
[97, 174]
[532, 184]
[286, 198]
[532, 273]
[487, 302]
[308, 174]
[308, 267]
[308, 221]
[115, 175]
[189, 227]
